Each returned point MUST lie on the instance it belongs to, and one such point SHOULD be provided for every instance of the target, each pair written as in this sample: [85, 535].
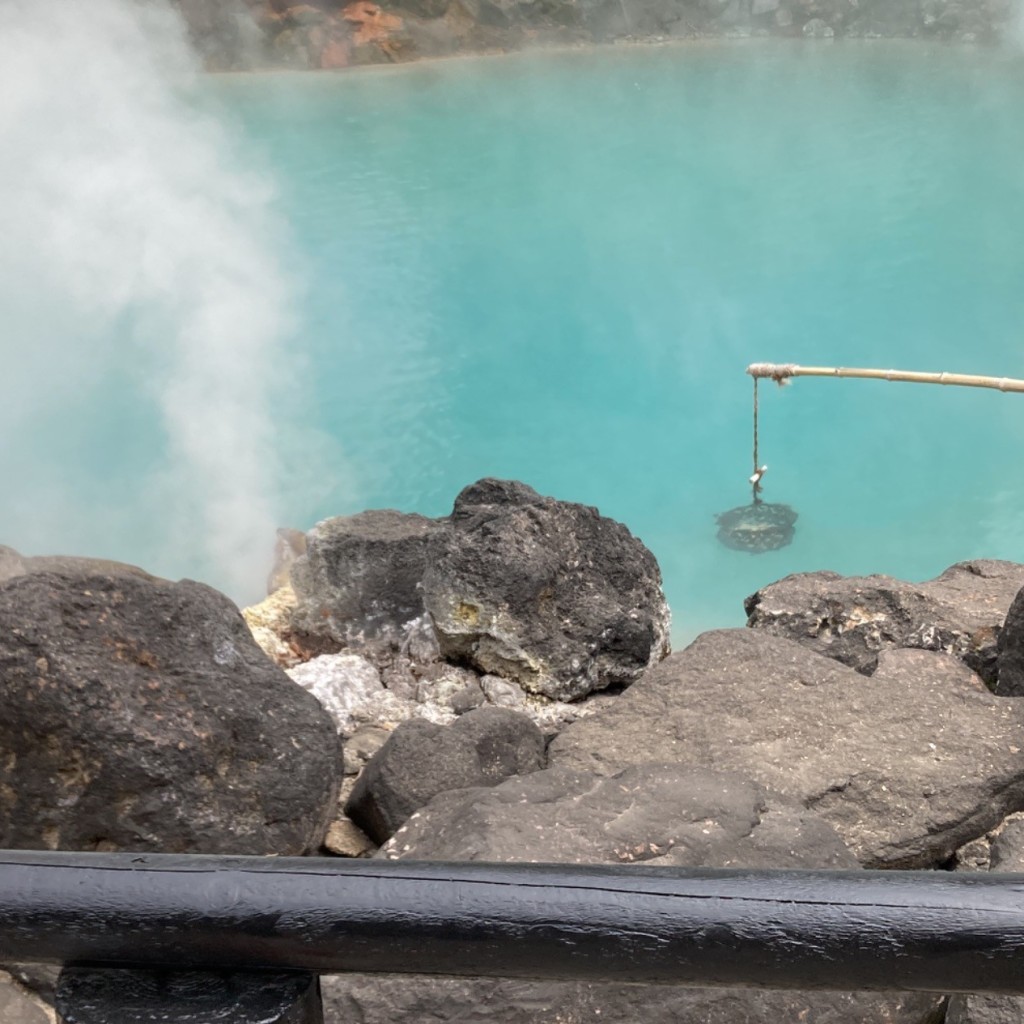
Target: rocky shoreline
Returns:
[497, 685]
[326, 34]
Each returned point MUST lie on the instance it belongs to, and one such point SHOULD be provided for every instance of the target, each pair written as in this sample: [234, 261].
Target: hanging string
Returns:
[754, 480]
[755, 424]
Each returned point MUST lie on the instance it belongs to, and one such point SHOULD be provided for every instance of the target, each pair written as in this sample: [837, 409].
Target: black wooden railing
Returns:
[141, 935]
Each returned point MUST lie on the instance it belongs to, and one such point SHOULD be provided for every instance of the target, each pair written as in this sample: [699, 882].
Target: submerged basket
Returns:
[757, 527]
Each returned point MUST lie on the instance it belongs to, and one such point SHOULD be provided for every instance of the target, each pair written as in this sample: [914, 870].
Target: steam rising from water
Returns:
[1015, 30]
[140, 259]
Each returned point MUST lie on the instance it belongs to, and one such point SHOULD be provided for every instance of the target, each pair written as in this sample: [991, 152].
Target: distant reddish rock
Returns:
[234, 34]
[374, 24]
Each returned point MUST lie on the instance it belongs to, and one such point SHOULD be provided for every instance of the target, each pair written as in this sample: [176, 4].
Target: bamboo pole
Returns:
[781, 372]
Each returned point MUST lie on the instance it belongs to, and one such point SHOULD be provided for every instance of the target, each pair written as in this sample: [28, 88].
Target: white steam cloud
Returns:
[1015, 32]
[142, 284]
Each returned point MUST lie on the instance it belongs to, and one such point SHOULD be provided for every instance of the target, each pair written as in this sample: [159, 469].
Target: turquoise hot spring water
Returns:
[555, 267]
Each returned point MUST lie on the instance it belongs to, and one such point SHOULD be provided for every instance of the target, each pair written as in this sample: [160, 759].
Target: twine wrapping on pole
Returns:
[781, 372]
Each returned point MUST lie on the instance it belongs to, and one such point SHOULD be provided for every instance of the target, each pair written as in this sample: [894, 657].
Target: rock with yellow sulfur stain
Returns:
[270, 624]
[346, 839]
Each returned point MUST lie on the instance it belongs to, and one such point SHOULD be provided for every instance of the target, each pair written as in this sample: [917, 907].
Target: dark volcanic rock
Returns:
[1007, 855]
[652, 813]
[967, 1009]
[1010, 664]
[904, 667]
[907, 765]
[545, 593]
[386, 999]
[852, 618]
[13, 564]
[139, 714]
[1008, 845]
[548, 593]
[359, 580]
[420, 760]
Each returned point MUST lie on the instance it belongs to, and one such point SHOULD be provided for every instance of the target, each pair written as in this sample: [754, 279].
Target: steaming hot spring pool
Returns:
[556, 268]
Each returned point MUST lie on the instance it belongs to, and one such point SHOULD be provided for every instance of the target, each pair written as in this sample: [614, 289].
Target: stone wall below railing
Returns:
[246, 34]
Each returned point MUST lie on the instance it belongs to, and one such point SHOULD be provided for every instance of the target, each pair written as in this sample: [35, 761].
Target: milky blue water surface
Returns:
[557, 267]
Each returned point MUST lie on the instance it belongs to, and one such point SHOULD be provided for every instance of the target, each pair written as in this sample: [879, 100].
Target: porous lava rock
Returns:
[658, 814]
[388, 999]
[356, 694]
[974, 1009]
[420, 760]
[342, 683]
[359, 581]
[139, 714]
[1008, 845]
[852, 618]
[547, 593]
[11, 563]
[908, 764]
[14, 564]
[1010, 663]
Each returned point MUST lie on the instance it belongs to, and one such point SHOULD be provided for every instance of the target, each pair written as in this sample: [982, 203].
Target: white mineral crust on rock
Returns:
[350, 689]
[343, 683]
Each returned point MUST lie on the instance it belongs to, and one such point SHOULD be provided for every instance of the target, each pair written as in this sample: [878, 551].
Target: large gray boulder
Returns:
[388, 999]
[547, 593]
[853, 618]
[14, 564]
[11, 563]
[973, 1009]
[908, 764]
[359, 581]
[1008, 846]
[420, 760]
[139, 714]
[658, 814]
[1010, 675]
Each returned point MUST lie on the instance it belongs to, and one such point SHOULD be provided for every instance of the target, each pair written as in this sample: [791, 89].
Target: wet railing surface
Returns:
[198, 938]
